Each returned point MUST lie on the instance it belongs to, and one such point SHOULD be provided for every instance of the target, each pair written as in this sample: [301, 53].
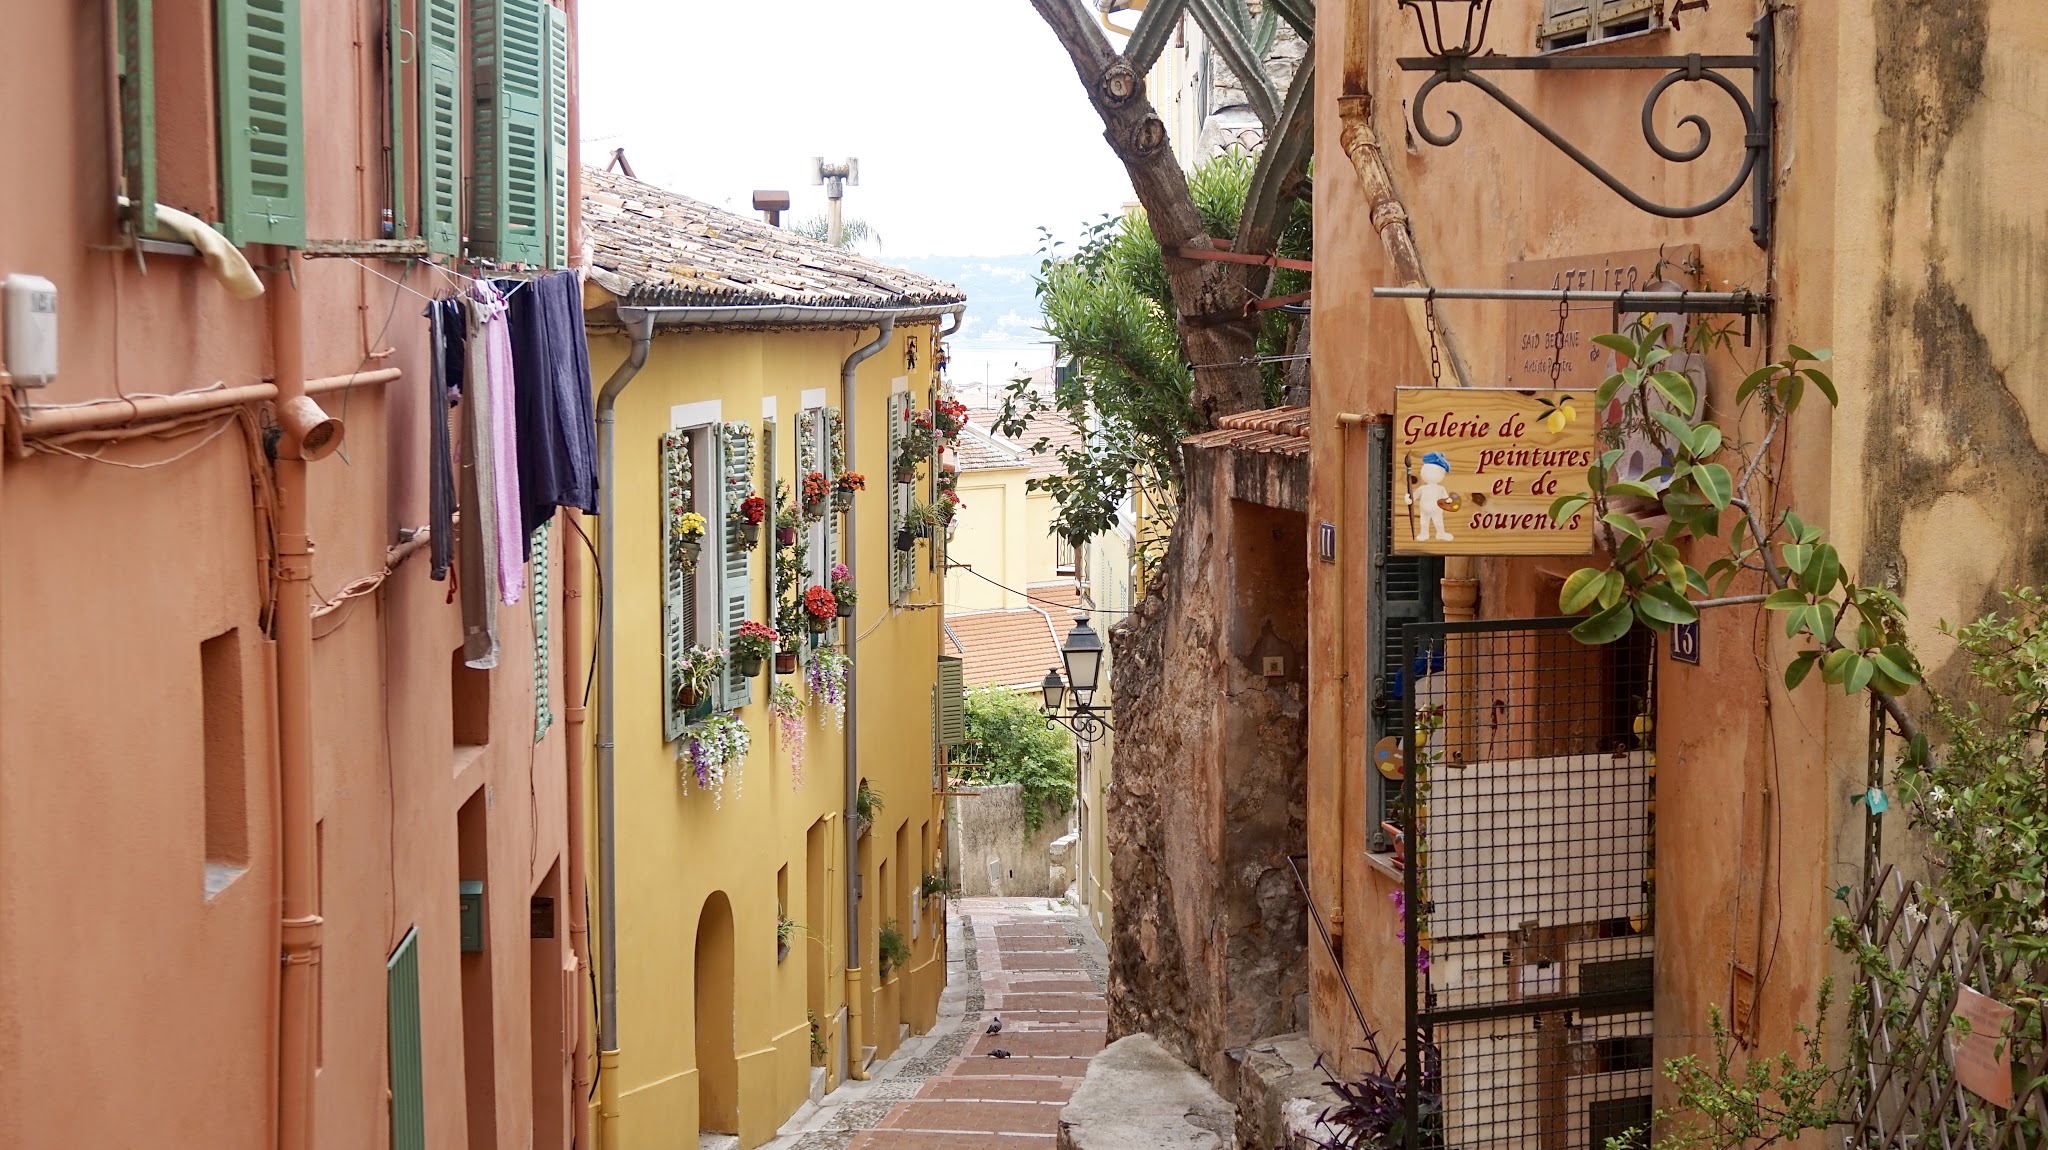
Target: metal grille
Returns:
[1527, 828]
[1404, 589]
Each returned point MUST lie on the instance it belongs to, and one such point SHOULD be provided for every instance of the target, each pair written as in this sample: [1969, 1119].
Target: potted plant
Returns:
[786, 525]
[786, 658]
[752, 646]
[784, 931]
[922, 518]
[844, 485]
[820, 608]
[866, 803]
[916, 445]
[935, 886]
[696, 672]
[688, 539]
[817, 489]
[950, 415]
[842, 589]
[906, 539]
[948, 506]
[817, 1039]
[752, 510]
[891, 949]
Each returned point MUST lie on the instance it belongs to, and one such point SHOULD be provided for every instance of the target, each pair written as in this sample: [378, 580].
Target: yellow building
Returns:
[736, 359]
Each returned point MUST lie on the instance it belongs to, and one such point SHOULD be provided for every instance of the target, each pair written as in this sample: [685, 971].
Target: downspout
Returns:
[854, 1014]
[639, 327]
[578, 686]
[300, 925]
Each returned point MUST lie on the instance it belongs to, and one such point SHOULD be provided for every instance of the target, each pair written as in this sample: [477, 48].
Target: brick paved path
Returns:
[1036, 973]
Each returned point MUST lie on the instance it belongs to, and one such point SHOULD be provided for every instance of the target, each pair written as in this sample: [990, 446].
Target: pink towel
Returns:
[511, 541]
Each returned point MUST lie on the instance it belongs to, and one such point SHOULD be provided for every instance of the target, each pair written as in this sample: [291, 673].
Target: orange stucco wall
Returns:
[134, 1010]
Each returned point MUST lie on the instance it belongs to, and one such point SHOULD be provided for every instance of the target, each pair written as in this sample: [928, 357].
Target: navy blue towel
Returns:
[552, 398]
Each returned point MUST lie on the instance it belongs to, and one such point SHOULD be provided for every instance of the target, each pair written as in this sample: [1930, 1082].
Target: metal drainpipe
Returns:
[574, 715]
[639, 327]
[854, 1014]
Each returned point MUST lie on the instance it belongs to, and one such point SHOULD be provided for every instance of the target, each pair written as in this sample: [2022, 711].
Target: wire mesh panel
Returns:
[1528, 852]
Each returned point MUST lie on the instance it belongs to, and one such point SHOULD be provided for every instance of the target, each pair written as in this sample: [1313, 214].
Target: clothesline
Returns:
[401, 285]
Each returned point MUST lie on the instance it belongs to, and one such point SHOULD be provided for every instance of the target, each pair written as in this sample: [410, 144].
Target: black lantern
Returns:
[1082, 654]
[1451, 27]
[1055, 690]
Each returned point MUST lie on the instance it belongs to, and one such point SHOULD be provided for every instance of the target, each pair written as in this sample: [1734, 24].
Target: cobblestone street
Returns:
[1029, 961]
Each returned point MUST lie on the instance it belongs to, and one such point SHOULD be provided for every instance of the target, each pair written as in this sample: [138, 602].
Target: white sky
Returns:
[970, 125]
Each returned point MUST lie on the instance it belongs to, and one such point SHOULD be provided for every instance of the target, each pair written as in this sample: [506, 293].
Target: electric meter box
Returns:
[472, 916]
[31, 349]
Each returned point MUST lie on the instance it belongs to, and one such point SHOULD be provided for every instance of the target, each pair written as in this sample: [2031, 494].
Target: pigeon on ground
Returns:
[998, 1052]
[996, 1026]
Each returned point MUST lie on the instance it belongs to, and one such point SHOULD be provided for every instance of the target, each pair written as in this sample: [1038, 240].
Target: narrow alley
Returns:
[1027, 961]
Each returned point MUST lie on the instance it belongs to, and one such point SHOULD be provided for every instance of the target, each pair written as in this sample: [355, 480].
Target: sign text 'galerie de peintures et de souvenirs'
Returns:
[1476, 469]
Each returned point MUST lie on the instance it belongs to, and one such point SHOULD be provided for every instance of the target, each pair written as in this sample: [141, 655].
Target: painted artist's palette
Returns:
[1389, 758]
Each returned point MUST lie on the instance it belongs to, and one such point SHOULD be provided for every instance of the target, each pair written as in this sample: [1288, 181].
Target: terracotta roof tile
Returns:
[656, 248]
[1052, 427]
[1275, 431]
[980, 451]
[1002, 648]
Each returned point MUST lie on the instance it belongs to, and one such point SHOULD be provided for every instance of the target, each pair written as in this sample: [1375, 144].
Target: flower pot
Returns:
[906, 540]
[781, 951]
[845, 609]
[749, 665]
[817, 624]
[686, 697]
[785, 536]
[843, 500]
[750, 533]
[785, 662]
[689, 550]
[906, 475]
[814, 509]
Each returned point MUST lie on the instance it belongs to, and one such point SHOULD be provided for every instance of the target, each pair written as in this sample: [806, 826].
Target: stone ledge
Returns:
[1280, 1093]
[1139, 1097]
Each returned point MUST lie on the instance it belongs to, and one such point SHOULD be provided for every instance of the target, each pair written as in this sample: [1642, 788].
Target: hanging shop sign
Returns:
[1476, 470]
[1535, 336]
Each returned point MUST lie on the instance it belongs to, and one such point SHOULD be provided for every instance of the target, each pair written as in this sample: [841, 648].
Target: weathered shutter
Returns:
[831, 552]
[902, 564]
[678, 593]
[952, 702]
[736, 466]
[1402, 589]
[397, 40]
[540, 589]
[135, 51]
[771, 549]
[558, 138]
[262, 151]
[402, 1045]
[440, 112]
[508, 79]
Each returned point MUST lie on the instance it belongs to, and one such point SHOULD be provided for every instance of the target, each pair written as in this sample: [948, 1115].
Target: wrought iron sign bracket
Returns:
[1757, 108]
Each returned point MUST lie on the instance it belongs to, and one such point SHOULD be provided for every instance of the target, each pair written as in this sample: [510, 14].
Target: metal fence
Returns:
[1527, 834]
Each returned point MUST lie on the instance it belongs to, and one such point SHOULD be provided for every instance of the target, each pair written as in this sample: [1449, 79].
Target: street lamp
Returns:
[1082, 654]
[1454, 33]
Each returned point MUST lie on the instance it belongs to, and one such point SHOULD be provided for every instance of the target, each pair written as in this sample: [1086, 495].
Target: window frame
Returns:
[1590, 20]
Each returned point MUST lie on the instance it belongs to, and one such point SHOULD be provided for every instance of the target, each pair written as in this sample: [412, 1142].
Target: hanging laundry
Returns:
[479, 575]
[551, 379]
[497, 355]
[440, 461]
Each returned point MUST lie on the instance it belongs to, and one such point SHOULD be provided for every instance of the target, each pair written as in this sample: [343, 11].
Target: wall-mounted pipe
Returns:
[640, 329]
[573, 715]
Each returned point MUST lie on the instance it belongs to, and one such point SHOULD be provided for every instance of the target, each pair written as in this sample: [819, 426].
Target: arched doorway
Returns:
[718, 1074]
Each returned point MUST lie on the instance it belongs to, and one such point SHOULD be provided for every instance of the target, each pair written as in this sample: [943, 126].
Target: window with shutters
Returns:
[735, 590]
[439, 64]
[402, 1037]
[952, 726]
[508, 178]
[558, 138]
[690, 615]
[1572, 23]
[1402, 589]
[902, 558]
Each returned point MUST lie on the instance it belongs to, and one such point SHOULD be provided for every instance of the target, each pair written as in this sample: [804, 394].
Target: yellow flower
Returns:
[692, 523]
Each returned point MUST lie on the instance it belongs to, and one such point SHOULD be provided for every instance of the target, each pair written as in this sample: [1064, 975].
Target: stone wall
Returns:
[992, 853]
[1207, 952]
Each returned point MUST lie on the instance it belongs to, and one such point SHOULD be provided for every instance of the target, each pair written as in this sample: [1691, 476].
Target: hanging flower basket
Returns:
[820, 608]
[749, 665]
[785, 536]
[785, 662]
[906, 540]
[752, 646]
[906, 475]
[752, 510]
[843, 487]
[817, 489]
[750, 535]
[686, 697]
[688, 551]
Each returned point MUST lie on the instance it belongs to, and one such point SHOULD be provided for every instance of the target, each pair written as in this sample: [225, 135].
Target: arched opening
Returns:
[718, 1073]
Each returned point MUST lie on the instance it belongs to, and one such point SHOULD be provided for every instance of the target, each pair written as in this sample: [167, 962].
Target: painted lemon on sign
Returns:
[1557, 414]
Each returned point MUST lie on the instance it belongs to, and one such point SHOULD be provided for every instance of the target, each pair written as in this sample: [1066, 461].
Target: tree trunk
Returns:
[1215, 334]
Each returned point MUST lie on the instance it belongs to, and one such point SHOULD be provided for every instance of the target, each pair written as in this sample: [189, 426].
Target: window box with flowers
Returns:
[842, 589]
[751, 511]
[820, 608]
[817, 490]
[752, 646]
[843, 487]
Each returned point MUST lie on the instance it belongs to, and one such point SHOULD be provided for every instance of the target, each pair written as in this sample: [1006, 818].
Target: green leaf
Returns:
[1613, 585]
[1826, 385]
[1858, 676]
[1787, 599]
[1580, 590]
[1799, 668]
[1676, 388]
[1706, 440]
[1607, 626]
[1790, 391]
[1661, 603]
[1716, 484]
[1797, 352]
[1896, 664]
[1823, 570]
[1623, 524]
[1822, 617]
[1631, 487]
[1666, 557]
[1754, 380]
[1565, 506]
[1795, 557]
[1833, 664]
[1605, 394]
[1695, 581]
[1678, 427]
[1620, 343]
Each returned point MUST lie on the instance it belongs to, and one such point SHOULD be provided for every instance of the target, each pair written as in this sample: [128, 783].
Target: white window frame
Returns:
[1569, 24]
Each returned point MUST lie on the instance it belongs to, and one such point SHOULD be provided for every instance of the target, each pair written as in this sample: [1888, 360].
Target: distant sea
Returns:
[1001, 337]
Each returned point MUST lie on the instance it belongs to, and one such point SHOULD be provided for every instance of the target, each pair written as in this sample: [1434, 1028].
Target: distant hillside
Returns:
[1002, 310]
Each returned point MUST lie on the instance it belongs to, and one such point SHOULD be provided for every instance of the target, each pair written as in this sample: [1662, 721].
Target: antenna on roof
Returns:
[620, 162]
[835, 178]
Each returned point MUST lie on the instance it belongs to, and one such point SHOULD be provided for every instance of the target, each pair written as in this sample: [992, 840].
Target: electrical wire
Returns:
[1035, 599]
[226, 422]
[590, 675]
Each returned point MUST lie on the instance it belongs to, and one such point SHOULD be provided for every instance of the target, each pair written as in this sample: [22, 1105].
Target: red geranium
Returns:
[753, 509]
[820, 603]
[816, 488]
[851, 481]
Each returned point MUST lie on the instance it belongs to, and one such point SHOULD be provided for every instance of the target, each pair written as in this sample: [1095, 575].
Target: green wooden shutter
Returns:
[1403, 589]
[736, 467]
[398, 39]
[402, 1015]
[678, 590]
[558, 139]
[440, 112]
[508, 79]
[902, 564]
[262, 152]
[135, 51]
[952, 702]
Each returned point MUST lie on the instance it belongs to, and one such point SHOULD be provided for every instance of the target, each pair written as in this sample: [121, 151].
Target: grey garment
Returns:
[440, 460]
[479, 575]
